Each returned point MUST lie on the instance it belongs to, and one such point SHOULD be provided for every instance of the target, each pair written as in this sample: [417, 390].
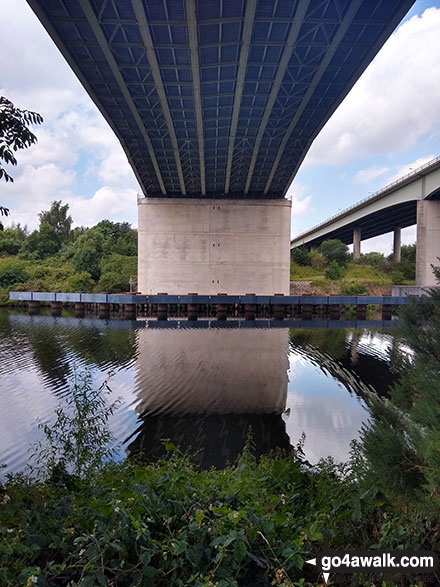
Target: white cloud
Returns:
[77, 158]
[33, 191]
[115, 169]
[366, 175]
[394, 103]
[300, 202]
[112, 203]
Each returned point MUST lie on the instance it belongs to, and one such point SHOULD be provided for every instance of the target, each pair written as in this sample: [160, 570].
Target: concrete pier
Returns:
[356, 243]
[397, 249]
[428, 241]
[207, 245]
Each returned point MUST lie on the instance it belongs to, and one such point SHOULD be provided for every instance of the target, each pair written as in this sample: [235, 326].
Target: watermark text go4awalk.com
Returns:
[377, 561]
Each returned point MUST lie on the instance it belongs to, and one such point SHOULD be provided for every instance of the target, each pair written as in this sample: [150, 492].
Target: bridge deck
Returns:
[218, 98]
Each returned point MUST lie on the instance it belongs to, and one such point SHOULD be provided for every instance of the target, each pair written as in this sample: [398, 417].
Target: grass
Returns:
[355, 275]
[304, 272]
[367, 273]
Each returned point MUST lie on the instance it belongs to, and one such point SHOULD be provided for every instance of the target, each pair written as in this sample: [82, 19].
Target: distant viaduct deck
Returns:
[412, 199]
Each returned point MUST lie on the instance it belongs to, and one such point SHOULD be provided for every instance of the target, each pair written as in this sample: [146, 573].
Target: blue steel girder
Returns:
[218, 98]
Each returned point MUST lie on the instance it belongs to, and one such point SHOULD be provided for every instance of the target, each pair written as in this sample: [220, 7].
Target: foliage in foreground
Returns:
[169, 524]
[402, 447]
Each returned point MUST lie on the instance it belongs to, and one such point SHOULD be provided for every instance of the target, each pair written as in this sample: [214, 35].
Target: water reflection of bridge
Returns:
[204, 388]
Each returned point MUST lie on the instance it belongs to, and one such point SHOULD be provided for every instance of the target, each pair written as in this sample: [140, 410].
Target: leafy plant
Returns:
[334, 271]
[79, 282]
[335, 250]
[353, 288]
[300, 255]
[12, 271]
[14, 133]
[78, 441]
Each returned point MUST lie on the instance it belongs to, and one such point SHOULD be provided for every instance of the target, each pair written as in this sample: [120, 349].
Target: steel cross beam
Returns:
[155, 70]
[94, 24]
[251, 8]
[287, 54]
[346, 22]
[193, 36]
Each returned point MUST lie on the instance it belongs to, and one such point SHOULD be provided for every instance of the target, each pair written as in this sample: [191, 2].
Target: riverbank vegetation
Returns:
[56, 257]
[329, 269]
[170, 524]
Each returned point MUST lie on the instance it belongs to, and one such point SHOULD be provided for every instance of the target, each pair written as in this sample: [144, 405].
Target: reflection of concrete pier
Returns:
[203, 389]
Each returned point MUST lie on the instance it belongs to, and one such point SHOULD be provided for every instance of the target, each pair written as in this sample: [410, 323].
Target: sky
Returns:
[388, 124]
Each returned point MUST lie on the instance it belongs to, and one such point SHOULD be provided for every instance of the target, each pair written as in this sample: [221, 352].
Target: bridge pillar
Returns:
[428, 241]
[210, 245]
[396, 245]
[357, 243]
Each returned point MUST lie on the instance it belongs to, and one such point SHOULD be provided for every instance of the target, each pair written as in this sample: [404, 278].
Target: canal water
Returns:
[201, 387]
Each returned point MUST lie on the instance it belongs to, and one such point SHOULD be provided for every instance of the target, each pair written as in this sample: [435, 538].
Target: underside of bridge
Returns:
[215, 103]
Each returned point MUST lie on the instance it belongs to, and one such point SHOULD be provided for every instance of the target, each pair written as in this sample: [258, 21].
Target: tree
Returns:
[14, 133]
[41, 243]
[3, 212]
[79, 282]
[301, 256]
[12, 239]
[113, 229]
[335, 250]
[12, 271]
[87, 259]
[57, 218]
[113, 282]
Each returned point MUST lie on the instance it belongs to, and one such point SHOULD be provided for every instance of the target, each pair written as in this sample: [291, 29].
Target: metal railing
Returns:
[371, 197]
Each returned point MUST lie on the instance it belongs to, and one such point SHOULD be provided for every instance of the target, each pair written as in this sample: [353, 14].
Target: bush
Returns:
[317, 261]
[12, 271]
[113, 282]
[397, 277]
[87, 259]
[334, 271]
[125, 265]
[374, 259]
[335, 250]
[42, 243]
[352, 288]
[300, 255]
[80, 282]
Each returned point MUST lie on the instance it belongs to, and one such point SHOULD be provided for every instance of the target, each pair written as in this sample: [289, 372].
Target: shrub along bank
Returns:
[170, 524]
[58, 258]
[330, 270]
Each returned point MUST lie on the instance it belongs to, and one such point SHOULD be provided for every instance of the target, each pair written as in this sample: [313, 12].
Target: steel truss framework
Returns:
[218, 98]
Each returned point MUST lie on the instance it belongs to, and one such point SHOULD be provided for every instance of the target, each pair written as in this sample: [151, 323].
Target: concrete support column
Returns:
[428, 241]
[357, 243]
[207, 245]
[397, 244]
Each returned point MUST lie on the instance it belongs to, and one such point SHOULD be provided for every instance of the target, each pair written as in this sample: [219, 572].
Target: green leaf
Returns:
[240, 550]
